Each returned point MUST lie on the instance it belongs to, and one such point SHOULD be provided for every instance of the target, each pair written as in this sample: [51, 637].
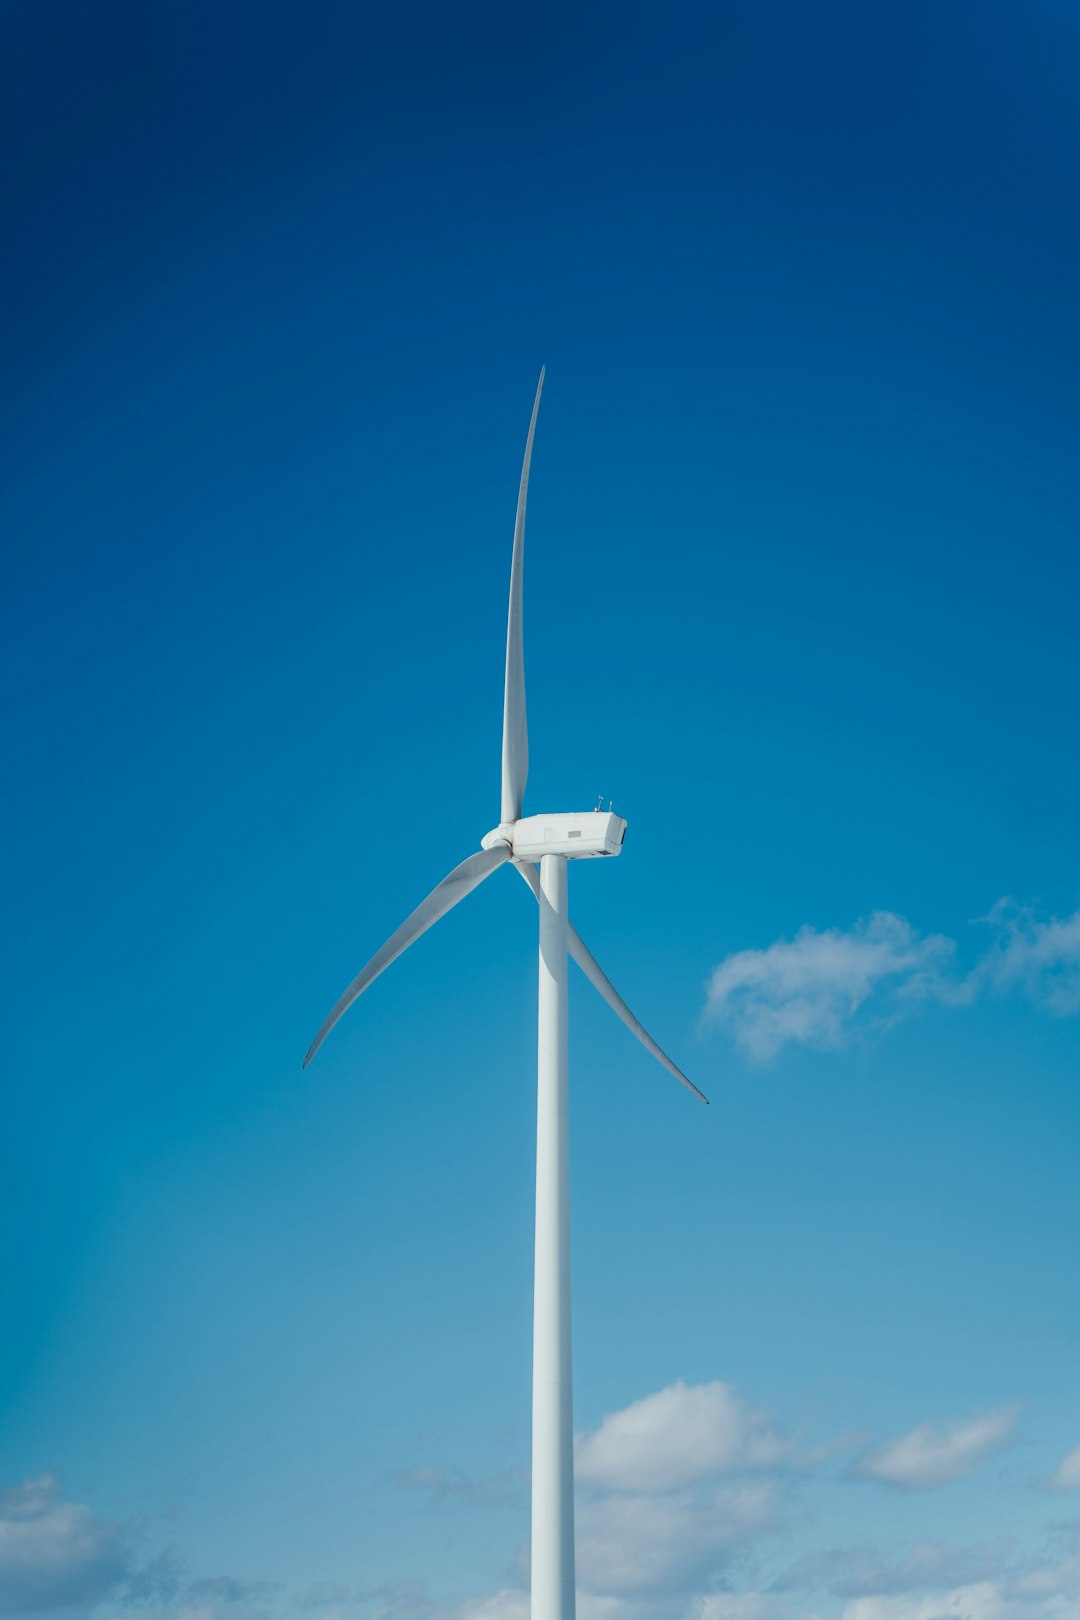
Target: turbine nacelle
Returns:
[573, 833]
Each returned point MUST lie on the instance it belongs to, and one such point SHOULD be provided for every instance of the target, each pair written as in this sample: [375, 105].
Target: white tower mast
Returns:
[553, 1403]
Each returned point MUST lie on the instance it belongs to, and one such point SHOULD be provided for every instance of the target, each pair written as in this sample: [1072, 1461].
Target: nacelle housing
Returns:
[575, 833]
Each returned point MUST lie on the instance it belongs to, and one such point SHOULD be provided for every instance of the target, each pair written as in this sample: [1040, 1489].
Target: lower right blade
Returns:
[592, 970]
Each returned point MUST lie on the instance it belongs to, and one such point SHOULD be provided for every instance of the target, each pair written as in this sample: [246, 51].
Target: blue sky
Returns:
[801, 590]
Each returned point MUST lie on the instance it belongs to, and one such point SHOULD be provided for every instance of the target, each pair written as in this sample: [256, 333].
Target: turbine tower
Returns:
[549, 841]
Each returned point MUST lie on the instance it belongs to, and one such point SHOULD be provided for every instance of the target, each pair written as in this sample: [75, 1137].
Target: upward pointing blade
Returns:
[515, 741]
[460, 882]
[592, 970]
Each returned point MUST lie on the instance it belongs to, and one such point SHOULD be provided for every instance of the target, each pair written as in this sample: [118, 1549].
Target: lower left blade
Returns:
[460, 882]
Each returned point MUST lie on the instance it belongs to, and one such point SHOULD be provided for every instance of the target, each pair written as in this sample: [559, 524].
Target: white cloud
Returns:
[58, 1561]
[222, 1597]
[811, 988]
[670, 1439]
[932, 1455]
[650, 1543]
[864, 1571]
[1042, 958]
[653, 1515]
[981, 1600]
[56, 1558]
[212, 1608]
[400, 1600]
[1043, 1592]
[736, 1606]
[818, 988]
[1066, 1476]
[511, 1603]
[1046, 1592]
[1050, 1580]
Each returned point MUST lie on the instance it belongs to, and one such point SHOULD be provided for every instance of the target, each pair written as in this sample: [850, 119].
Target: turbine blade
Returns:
[592, 970]
[515, 740]
[460, 882]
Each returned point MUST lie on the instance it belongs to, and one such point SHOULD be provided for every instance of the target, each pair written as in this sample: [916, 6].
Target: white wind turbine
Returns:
[551, 840]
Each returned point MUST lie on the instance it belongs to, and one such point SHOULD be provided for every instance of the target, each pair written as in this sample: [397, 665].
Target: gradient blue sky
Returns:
[801, 597]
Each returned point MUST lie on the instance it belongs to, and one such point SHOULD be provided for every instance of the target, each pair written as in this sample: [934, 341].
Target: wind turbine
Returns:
[524, 841]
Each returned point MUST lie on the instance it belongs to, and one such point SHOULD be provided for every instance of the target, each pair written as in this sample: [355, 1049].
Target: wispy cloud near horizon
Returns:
[1066, 1476]
[682, 1495]
[57, 1555]
[933, 1455]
